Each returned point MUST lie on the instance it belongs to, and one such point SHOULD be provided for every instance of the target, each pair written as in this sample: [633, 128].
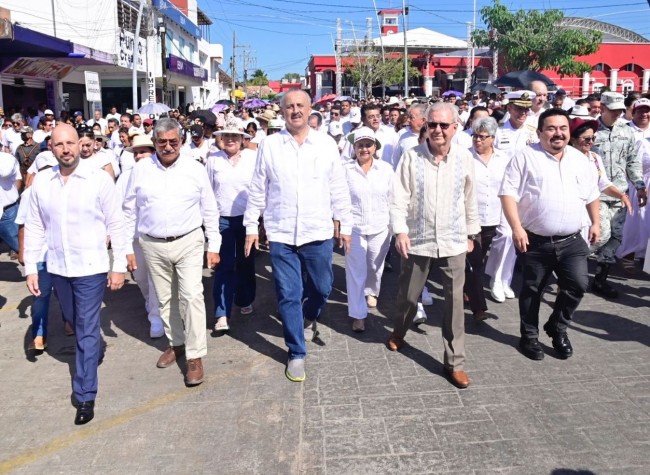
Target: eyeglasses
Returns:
[480, 137]
[163, 142]
[588, 139]
[433, 125]
[16, 123]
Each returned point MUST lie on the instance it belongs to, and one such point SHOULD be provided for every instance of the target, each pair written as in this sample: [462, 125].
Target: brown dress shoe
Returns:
[194, 374]
[458, 378]
[394, 343]
[169, 356]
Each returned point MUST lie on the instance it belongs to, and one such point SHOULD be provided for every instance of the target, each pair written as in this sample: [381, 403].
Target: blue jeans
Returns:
[41, 304]
[234, 277]
[81, 297]
[9, 228]
[290, 263]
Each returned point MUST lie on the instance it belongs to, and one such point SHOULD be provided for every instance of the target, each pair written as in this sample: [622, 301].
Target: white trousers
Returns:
[183, 309]
[364, 265]
[501, 260]
[143, 279]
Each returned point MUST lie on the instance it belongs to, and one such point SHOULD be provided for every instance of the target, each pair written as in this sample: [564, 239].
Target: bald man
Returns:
[73, 207]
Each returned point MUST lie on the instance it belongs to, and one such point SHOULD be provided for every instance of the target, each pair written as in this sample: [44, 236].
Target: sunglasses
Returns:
[164, 142]
[588, 139]
[433, 125]
[480, 137]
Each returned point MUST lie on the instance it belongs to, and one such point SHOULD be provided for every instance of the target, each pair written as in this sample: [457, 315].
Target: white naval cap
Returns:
[521, 98]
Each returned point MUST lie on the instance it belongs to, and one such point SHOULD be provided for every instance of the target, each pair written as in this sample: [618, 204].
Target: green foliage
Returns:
[371, 70]
[534, 40]
[292, 77]
[259, 78]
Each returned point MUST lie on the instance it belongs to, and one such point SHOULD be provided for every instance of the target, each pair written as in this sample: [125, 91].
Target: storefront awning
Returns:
[32, 44]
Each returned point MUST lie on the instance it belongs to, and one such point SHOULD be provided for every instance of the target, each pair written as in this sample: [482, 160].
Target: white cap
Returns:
[643, 102]
[355, 115]
[335, 128]
[613, 101]
[48, 112]
[579, 111]
[45, 159]
[363, 133]
[521, 98]
[7, 164]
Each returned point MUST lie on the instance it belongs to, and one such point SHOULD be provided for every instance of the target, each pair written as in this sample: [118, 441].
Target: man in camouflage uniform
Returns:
[614, 142]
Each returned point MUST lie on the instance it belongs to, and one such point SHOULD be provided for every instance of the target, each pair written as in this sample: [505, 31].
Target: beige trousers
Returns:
[413, 275]
[176, 270]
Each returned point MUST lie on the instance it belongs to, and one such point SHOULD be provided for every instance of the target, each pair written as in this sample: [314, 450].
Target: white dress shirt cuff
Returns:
[347, 230]
[119, 265]
[214, 246]
[30, 268]
[252, 230]
[400, 229]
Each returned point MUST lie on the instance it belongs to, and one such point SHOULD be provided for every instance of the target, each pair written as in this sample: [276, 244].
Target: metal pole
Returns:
[337, 51]
[406, 53]
[163, 64]
[136, 54]
[468, 75]
[383, 54]
[54, 18]
[234, 49]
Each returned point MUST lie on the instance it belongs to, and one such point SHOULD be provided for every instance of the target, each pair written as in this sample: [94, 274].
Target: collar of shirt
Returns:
[82, 170]
[430, 156]
[287, 137]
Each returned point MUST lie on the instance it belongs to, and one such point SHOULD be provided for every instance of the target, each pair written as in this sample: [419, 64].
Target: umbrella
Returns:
[487, 87]
[326, 98]
[218, 108]
[254, 103]
[452, 93]
[522, 79]
[227, 102]
[206, 116]
[343, 98]
[155, 108]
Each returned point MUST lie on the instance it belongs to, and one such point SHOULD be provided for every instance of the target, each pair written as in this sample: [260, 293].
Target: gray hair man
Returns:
[434, 217]
[168, 200]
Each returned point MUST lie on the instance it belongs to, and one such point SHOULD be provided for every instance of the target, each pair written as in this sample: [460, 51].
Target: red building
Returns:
[622, 63]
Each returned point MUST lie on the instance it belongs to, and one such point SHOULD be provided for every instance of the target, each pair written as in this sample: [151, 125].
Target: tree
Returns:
[259, 78]
[370, 70]
[292, 77]
[535, 40]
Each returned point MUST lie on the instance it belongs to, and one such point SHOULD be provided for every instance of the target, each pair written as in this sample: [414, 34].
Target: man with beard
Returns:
[544, 193]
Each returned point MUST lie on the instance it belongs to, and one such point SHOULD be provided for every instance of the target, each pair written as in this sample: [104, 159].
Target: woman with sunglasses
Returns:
[582, 137]
[489, 169]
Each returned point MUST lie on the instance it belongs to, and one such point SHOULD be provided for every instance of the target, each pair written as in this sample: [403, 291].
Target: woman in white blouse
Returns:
[230, 171]
[88, 152]
[489, 168]
[370, 182]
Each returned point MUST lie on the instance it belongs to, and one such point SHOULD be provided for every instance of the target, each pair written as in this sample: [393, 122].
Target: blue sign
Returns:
[186, 68]
[170, 11]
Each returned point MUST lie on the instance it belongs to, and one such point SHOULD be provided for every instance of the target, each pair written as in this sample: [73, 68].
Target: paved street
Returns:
[362, 409]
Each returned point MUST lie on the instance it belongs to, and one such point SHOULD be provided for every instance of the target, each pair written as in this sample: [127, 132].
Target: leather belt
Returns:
[552, 239]
[4, 208]
[171, 238]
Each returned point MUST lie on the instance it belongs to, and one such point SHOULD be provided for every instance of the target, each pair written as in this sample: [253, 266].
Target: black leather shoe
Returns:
[85, 412]
[602, 288]
[531, 348]
[561, 343]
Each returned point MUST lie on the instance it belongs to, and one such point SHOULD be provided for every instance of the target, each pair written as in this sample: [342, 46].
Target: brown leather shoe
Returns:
[169, 356]
[458, 378]
[194, 374]
[394, 343]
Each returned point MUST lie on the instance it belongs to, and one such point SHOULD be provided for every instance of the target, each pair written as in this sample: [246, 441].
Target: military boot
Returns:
[600, 286]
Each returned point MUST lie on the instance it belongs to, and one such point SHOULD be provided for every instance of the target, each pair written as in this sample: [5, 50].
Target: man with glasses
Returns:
[410, 137]
[168, 200]
[11, 138]
[434, 216]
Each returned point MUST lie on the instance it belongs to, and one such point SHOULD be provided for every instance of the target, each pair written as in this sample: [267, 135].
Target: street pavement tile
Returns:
[451, 435]
[364, 465]
[423, 462]
[516, 423]
[364, 437]
[441, 399]
[391, 406]
[348, 411]
[411, 434]
[456, 415]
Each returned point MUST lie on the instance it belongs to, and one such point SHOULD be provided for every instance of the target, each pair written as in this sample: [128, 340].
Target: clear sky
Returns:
[280, 35]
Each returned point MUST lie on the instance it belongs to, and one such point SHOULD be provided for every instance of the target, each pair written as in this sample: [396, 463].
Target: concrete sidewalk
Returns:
[362, 409]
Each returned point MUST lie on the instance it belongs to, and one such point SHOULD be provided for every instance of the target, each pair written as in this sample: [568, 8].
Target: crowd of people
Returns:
[467, 185]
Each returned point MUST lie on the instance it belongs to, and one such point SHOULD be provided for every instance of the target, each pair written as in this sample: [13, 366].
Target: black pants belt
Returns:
[551, 239]
[5, 208]
[171, 238]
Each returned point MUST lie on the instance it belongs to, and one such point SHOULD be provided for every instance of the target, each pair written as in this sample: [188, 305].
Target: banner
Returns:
[93, 87]
[126, 49]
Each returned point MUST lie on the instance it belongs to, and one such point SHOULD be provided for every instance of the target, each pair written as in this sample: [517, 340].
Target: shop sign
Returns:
[93, 87]
[186, 68]
[39, 68]
[127, 48]
[151, 88]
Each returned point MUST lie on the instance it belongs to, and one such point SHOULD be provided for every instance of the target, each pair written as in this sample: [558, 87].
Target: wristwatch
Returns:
[472, 237]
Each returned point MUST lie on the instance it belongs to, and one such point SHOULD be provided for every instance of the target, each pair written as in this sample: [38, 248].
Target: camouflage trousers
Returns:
[612, 219]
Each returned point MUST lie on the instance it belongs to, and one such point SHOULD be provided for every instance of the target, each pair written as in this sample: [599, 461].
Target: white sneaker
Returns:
[156, 329]
[426, 297]
[420, 315]
[508, 292]
[497, 291]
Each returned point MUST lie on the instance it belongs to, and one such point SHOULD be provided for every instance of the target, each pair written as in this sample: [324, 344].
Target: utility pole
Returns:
[469, 62]
[405, 12]
[163, 58]
[337, 56]
[495, 57]
[136, 57]
[383, 54]
[232, 64]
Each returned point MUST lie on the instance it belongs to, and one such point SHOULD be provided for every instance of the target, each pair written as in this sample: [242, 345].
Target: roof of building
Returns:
[421, 38]
[611, 33]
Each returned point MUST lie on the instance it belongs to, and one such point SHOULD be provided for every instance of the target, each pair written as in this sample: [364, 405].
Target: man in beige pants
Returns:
[434, 215]
[169, 198]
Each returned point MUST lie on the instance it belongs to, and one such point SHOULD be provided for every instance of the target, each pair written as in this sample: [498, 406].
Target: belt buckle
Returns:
[557, 241]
